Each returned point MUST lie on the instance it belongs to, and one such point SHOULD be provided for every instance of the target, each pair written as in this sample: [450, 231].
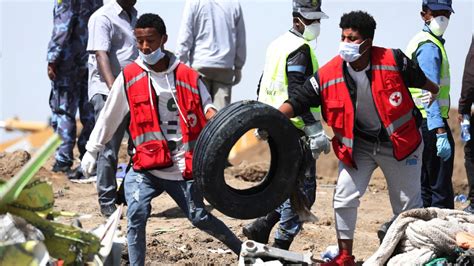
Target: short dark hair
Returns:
[149, 20]
[425, 8]
[360, 21]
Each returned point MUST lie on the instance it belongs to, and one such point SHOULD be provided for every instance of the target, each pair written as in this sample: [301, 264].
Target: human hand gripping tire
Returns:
[88, 163]
[318, 140]
[319, 143]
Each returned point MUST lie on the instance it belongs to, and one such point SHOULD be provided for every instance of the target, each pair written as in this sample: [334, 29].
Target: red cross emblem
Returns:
[192, 119]
[395, 98]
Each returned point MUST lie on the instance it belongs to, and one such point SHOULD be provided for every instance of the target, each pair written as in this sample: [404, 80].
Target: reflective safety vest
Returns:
[392, 99]
[274, 84]
[444, 86]
[151, 147]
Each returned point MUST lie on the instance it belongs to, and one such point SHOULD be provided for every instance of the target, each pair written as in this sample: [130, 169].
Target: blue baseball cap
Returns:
[436, 5]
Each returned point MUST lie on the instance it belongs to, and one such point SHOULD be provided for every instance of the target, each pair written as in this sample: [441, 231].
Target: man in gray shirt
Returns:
[212, 41]
[111, 47]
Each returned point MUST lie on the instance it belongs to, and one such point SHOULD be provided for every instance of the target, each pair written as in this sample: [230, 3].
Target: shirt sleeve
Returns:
[241, 47]
[114, 111]
[186, 36]
[206, 99]
[467, 90]
[412, 74]
[62, 28]
[428, 57]
[100, 34]
[298, 66]
[307, 97]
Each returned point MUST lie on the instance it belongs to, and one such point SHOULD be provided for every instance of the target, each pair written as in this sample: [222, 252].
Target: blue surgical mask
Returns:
[153, 57]
[350, 52]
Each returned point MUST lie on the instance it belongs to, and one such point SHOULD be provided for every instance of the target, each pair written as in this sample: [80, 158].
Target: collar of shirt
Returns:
[427, 29]
[119, 10]
[295, 32]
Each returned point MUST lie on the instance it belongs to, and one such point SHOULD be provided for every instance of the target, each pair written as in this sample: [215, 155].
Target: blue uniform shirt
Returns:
[429, 58]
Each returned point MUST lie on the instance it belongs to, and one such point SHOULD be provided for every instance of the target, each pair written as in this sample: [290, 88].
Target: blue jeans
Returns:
[290, 224]
[141, 188]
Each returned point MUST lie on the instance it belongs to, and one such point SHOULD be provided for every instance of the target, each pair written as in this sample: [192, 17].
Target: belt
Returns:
[371, 138]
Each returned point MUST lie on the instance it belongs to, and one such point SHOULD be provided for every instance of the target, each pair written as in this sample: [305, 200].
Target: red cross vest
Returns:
[392, 99]
[151, 147]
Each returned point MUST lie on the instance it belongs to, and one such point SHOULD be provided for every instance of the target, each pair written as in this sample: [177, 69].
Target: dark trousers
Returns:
[436, 174]
[66, 98]
[469, 163]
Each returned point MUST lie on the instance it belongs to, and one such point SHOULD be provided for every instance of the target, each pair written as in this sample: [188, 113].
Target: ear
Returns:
[298, 25]
[165, 39]
[424, 16]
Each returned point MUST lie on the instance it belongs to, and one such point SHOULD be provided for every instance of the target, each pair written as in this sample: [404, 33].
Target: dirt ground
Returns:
[172, 239]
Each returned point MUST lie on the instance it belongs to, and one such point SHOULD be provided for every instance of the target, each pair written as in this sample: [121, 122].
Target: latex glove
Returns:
[237, 76]
[427, 98]
[318, 140]
[88, 163]
[261, 134]
[443, 146]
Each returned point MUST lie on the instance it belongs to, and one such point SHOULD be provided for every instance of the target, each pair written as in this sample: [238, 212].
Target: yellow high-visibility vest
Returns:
[274, 84]
[444, 86]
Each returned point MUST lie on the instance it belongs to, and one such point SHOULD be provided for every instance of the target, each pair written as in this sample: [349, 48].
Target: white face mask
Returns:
[350, 52]
[311, 31]
[153, 57]
[438, 25]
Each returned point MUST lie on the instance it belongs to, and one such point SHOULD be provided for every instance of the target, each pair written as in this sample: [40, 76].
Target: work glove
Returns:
[261, 134]
[427, 98]
[88, 163]
[318, 140]
[443, 146]
[237, 76]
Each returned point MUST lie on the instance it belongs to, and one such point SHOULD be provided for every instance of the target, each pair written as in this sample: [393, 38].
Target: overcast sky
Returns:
[25, 29]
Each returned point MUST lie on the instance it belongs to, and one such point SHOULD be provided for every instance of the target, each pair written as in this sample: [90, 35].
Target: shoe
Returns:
[108, 210]
[260, 229]
[75, 173]
[343, 259]
[469, 209]
[61, 167]
[383, 230]
[282, 244]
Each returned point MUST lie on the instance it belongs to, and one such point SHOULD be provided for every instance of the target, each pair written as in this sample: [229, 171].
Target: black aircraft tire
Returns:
[214, 144]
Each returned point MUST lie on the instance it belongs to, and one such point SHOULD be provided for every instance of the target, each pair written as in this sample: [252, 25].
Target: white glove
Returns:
[318, 140]
[88, 163]
[427, 98]
[261, 134]
[237, 76]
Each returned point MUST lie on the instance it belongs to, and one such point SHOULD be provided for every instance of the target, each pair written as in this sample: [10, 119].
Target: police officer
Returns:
[67, 70]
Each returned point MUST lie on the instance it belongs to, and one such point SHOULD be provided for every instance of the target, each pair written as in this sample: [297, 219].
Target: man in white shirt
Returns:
[111, 47]
[212, 41]
[168, 106]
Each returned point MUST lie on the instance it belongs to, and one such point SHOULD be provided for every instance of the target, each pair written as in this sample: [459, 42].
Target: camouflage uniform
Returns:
[67, 50]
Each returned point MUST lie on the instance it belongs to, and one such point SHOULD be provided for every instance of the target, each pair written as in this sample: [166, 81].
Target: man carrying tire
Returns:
[364, 97]
[168, 105]
[290, 60]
